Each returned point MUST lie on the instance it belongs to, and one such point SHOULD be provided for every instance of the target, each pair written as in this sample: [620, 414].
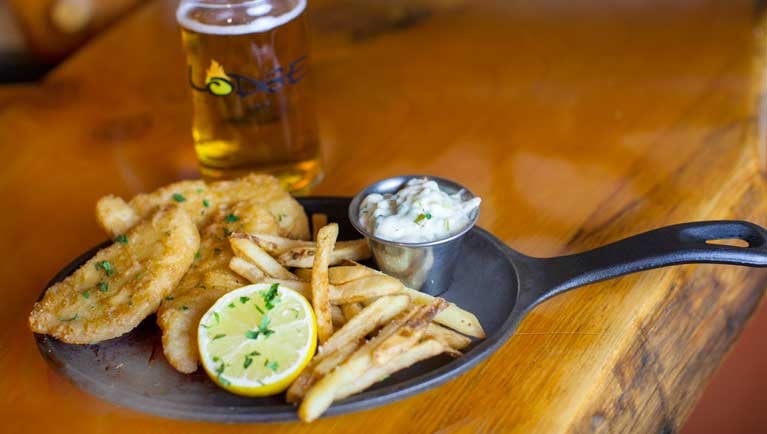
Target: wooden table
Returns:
[578, 125]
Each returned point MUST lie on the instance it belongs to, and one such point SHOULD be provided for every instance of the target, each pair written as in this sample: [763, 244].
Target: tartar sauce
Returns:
[419, 212]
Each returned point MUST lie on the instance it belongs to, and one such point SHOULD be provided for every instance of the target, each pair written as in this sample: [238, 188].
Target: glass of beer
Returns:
[253, 108]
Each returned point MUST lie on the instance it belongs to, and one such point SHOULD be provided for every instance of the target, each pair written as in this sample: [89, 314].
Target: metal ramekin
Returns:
[426, 266]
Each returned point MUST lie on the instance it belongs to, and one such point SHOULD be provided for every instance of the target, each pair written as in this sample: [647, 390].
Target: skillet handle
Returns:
[671, 245]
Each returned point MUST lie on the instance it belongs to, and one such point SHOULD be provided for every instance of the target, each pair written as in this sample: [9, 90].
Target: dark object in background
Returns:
[36, 35]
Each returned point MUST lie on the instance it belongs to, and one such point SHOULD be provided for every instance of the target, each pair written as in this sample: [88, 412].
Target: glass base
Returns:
[298, 178]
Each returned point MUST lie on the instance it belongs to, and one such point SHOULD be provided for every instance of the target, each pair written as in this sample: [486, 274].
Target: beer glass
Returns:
[253, 109]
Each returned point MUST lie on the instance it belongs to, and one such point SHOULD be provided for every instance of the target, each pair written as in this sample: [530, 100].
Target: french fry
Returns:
[320, 396]
[302, 257]
[246, 269]
[317, 368]
[337, 316]
[366, 288]
[447, 336]
[249, 250]
[409, 334]
[453, 316]
[222, 278]
[326, 239]
[421, 351]
[346, 273]
[319, 220]
[273, 244]
[350, 310]
[337, 296]
[346, 340]
[306, 273]
[366, 321]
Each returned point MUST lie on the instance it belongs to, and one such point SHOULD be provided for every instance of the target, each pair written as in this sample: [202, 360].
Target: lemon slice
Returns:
[254, 341]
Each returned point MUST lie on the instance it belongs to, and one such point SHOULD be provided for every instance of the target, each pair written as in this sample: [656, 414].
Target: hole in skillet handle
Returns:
[725, 233]
[732, 242]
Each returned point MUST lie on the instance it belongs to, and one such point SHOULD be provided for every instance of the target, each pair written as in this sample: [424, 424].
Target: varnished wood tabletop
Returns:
[578, 123]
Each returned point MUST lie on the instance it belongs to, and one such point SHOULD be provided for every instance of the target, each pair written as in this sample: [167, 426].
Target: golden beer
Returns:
[253, 109]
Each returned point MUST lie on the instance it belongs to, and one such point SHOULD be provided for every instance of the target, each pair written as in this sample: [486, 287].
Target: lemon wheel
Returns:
[254, 341]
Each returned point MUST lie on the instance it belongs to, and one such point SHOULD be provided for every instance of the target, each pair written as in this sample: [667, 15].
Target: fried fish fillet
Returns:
[180, 317]
[201, 200]
[122, 284]
[115, 215]
[207, 280]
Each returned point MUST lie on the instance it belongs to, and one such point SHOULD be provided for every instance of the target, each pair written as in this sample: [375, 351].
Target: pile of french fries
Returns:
[369, 325]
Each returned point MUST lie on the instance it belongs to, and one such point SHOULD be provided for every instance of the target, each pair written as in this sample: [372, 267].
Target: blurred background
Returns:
[36, 35]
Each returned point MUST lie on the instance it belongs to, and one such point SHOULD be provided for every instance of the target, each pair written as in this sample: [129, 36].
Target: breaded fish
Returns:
[201, 200]
[115, 215]
[207, 279]
[180, 317]
[122, 284]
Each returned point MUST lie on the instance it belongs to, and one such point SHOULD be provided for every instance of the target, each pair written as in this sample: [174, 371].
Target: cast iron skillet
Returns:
[495, 282]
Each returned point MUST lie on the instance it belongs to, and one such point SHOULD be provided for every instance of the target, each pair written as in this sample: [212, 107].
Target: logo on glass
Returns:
[219, 83]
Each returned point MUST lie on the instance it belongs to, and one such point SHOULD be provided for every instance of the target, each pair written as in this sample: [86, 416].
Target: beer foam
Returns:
[258, 25]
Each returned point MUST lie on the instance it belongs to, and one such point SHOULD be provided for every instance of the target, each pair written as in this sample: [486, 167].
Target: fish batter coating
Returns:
[115, 215]
[207, 280]
[122, 284]
[201, 200]
[179, 320]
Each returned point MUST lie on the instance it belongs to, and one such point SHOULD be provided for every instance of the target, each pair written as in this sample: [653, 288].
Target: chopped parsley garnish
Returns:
[178, 197]
[263, 328]
[423, 216]
[86, 294]
[205, 203]
[70, 319]
[251, 334]
[274, 366]
[259, 309]
[222, 380]
[184, 307]
[244, 300]
[103, 286]
[169, 298]
[122, 239]
[219, 336]
[254, 353]
[217, 317]
[216, 359]
[138, 276]
[197, 255]
[231, 218]
[230, 305]
[106, 266]
[270, 296]
[247, 362]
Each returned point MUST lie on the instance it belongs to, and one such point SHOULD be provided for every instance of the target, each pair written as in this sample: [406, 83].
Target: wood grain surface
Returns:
[579, 123]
